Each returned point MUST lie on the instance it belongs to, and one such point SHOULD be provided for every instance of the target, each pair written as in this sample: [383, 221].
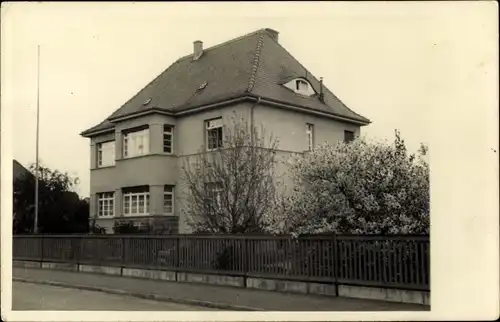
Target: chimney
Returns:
[321, 95]
[273, 33]
[197, 49]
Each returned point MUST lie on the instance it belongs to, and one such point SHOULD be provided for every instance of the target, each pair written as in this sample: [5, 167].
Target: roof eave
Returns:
[230, 100]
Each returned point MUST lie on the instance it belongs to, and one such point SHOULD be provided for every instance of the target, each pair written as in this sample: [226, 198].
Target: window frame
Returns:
[305, 85]
[310, 136]
[132, 200]
[217, 127]
[108, 199]
[168, 131]
[132, 135]
[169, 190]
[100, 149]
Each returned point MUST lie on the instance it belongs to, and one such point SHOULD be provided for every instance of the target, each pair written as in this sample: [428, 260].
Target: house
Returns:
[19, 171]
[136, 153]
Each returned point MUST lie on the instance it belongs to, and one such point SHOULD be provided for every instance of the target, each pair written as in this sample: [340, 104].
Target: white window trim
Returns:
[217, 123]
[107, 198]
[171, 133]
[130, 136]
[310, 136]
[136, 195]
[172, 194]
[101, 149]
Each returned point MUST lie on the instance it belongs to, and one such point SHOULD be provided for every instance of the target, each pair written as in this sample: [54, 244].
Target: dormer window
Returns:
[300, 86]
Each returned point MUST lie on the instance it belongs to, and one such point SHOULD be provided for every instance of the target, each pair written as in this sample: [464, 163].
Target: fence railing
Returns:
[383, 261]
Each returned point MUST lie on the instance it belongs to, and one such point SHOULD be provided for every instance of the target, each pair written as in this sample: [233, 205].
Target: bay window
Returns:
[106, 154]
[136, 143]
[168, 138]
[136, 201]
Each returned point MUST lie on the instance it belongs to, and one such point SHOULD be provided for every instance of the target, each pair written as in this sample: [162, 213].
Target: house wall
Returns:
[289, 127]
[158, 169]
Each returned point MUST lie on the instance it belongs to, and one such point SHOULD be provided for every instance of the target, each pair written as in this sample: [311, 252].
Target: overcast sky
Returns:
[395, 63]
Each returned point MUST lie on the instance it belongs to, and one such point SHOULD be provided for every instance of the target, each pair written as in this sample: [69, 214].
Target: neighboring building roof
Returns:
[18, 170]
[251, 65]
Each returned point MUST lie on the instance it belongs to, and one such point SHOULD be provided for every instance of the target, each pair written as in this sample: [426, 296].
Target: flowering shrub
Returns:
[360, 187]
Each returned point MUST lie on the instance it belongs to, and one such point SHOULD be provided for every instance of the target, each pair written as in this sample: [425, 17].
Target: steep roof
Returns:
[251, 65]
[18, 170]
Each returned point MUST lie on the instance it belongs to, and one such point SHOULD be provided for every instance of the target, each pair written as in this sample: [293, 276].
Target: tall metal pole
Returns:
[35, 228]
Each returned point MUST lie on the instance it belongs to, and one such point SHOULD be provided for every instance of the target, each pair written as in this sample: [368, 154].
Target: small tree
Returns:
[60, 208]
[359, 187]
[231, 189]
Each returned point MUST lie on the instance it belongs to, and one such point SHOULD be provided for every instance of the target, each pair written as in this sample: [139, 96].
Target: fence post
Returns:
[177, 253]
[123, 252]
[336, 258]
[41, 250]
[78, 250]
[246, 258]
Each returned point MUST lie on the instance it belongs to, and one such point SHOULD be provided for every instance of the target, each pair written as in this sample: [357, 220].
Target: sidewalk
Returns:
[221, 297]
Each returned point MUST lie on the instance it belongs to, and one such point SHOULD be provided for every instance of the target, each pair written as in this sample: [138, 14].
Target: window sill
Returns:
[146, 155]
[103, 167]
[135, 215]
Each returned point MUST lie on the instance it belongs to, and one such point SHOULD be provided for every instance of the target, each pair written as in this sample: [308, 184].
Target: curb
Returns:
[156, 297]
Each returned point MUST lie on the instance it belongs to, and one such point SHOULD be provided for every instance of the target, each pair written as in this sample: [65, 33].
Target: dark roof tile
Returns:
[254, 63]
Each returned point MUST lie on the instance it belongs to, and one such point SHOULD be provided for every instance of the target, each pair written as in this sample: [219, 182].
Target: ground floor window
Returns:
[106, 204]
[168, 200]
[136, 201]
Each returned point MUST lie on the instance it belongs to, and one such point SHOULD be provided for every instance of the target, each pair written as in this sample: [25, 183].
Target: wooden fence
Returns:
[381, 261]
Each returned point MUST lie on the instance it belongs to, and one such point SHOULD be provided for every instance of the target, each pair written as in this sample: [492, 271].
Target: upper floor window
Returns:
[300, 86]
[348, 136]
[106, 154]
[168, 138]
[136, 201]
[106, 204]
[310, 136]
[214, 134]
[136, 143]
[168, 200]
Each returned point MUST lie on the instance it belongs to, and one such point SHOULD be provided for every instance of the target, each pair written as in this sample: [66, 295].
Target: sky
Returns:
[395, 63]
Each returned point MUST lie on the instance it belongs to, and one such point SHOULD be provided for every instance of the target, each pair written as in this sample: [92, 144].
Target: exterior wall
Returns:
[158, 169]
[289, 127]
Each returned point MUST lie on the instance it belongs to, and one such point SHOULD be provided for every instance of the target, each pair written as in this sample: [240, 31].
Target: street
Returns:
[28, 296]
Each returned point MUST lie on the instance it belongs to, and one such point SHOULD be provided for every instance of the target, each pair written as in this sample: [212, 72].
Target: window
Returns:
[106, 204]
[106, 154]
[168, 132]
[310, 136]
[136, 201]
[348, 136]
[168, 199]
[300, 85]
[214, 191]
[136, 143]
[214, 134]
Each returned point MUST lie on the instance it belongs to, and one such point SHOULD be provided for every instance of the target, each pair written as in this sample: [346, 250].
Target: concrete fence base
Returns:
[362, 292]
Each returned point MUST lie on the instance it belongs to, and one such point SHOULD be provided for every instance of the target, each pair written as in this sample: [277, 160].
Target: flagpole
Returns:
[35, 229]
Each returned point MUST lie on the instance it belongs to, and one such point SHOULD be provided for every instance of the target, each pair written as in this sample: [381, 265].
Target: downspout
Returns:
[252, 119]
